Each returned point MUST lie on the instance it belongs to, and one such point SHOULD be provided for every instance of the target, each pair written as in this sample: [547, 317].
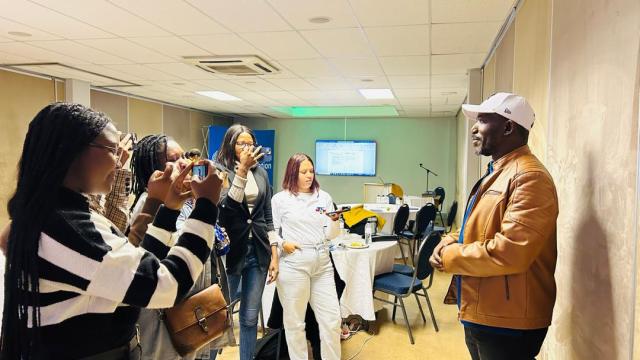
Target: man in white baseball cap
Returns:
[504, 255]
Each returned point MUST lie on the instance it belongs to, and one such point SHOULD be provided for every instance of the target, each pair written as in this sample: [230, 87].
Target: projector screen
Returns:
[346, 157]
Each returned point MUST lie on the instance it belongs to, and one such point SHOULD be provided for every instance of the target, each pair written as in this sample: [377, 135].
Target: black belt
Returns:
[124, 352]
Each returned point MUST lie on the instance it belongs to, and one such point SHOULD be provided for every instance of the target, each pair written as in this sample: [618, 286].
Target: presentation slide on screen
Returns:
[345, 158]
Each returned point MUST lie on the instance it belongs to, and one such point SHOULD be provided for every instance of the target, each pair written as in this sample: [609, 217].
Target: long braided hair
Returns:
[57, 135]
[149, 155]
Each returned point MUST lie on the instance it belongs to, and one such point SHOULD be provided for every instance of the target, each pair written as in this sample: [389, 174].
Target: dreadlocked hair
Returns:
[149, 155]
[57, 135]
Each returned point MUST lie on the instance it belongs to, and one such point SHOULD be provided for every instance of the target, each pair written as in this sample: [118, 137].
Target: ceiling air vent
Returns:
[242, 65]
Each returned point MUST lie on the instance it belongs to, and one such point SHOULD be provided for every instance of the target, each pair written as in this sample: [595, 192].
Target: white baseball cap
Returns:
[513, 107]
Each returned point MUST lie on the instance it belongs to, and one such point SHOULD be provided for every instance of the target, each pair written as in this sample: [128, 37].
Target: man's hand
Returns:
[436, 258]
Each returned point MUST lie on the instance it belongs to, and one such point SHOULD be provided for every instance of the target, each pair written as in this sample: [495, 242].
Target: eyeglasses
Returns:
[244, 145]
[114, 150]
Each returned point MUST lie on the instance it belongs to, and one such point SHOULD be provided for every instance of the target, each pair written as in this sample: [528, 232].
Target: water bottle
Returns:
[369, 230]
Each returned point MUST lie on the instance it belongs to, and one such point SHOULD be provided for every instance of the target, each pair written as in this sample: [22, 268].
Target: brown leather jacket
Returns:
[507, 262]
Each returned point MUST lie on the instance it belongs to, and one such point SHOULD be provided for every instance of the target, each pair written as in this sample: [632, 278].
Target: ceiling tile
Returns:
[419, 101]
[312, 94]
[445, 81]
[280, 95]
[282, 45]
[399, 40]
[144, 72]
[463, 38]
[172, 46]
[292, 84]
[38, 54]
[405, 65]
[101, 14]
[102, 70]
[256, 84]
[127, 49]
[358, 67]
[339, 43]
[183, 71]
[385, 12]
[7, 58]
[7, 26]
[80, 51]
[329, 83]
[456, 63]
[372, 82]
[310, 67]
[243, 15]
[453, 92]
[178, 17]
[460, 11]
[223, 44]
[411, 93]
[220, 85]
[409, 82]
[297, 13]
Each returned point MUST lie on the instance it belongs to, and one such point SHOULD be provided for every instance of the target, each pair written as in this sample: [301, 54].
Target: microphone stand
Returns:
[428, 172]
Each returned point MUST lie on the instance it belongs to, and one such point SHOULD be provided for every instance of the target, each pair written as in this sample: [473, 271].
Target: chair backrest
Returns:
[425, 215]
[439, 191]
[400, 221]
[452, 213]
[423, 268]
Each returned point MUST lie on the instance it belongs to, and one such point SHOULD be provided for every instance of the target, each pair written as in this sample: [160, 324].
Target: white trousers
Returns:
[306, 276]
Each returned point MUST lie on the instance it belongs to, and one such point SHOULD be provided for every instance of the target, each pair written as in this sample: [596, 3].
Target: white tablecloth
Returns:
[358, 267]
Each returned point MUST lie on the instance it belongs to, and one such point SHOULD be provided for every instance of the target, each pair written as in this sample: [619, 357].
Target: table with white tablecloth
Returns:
[358, 267]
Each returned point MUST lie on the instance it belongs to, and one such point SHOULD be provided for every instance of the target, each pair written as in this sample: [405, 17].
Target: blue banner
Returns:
[265, 138]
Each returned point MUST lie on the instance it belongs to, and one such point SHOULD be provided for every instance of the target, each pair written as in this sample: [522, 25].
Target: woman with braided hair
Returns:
[73, 284]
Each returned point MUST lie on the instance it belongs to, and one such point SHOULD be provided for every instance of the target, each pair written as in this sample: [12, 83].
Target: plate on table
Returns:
[356, 245]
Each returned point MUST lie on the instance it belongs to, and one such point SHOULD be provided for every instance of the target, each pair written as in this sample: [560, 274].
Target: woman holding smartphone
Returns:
[74, 285]
[245, 213]
[302, 212]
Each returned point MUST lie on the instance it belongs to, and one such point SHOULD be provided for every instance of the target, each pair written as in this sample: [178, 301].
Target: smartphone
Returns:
[343, 209]
[200, 171]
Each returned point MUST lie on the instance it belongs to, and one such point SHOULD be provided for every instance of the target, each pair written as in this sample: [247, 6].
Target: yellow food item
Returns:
[356, 244]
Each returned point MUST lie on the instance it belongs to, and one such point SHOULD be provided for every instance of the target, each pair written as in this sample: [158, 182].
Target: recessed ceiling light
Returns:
[178, 83]
[448, 93]
[249, 82]
[376, 93]
[367, 80]
[19, 33]
[320, 20]
[218, 95]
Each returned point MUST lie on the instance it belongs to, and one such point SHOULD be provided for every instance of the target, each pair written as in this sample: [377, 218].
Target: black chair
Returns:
[451, 219]
[399, 224]
[425, 215]
[439, 191]
[402, 286]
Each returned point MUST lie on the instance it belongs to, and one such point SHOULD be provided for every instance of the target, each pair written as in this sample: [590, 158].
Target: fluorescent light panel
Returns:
[218, 95]
[374, 94]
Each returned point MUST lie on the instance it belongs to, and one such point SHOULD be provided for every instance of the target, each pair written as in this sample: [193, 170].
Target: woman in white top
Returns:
[300, 212]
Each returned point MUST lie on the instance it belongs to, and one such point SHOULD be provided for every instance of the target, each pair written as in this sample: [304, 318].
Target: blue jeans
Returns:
[248, 287]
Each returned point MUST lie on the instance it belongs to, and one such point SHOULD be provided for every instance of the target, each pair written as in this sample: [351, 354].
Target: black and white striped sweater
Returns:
[93, 281]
